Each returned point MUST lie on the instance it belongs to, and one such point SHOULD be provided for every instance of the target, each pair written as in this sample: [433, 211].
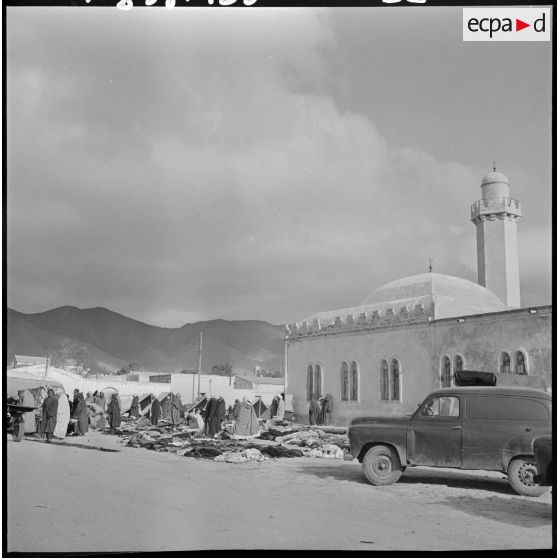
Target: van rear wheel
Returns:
[381, 466]
[521, 476]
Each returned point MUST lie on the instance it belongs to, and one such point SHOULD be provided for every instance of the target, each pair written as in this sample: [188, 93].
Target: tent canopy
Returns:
[14, 384]
[200, 405]
[259, 406]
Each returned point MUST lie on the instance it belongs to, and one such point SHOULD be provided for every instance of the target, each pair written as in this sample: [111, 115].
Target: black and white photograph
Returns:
[278, 276]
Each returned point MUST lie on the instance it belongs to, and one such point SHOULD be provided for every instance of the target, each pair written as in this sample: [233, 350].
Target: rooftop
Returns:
[438, 296]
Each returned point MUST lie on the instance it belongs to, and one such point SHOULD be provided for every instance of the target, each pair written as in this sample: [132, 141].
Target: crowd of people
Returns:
[240, 420]
[57, 416]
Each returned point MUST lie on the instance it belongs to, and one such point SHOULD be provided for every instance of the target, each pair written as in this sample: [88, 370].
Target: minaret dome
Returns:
[495, 185]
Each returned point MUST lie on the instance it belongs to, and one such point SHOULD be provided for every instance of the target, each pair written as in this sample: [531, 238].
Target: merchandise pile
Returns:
[278, 438]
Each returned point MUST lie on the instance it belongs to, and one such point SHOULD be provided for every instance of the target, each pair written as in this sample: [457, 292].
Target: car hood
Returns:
[398, 419]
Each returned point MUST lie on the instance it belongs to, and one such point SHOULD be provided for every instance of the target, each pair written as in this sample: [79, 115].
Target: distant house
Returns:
[259, 383]
[147, 376]
[71, 363]
[20, 360]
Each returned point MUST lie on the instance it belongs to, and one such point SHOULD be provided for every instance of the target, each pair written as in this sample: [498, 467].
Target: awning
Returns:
[259, 406]
[14, 384]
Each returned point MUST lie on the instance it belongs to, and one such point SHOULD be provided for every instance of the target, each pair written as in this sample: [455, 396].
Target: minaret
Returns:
[495, 216]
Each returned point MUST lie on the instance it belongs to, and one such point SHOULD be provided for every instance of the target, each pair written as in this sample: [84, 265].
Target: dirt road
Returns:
[63, 498]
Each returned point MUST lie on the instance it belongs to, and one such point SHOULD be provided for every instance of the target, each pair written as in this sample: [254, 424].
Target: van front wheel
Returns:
[381, 466]
[521, 476]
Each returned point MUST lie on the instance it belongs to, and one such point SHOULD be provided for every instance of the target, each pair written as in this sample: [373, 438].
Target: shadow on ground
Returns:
[455, 480]
[513, 511]
[351, 472]
[67, 444]
[412, 478]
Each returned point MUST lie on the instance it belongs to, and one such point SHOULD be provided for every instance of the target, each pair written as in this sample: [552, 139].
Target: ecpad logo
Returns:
[506, 24]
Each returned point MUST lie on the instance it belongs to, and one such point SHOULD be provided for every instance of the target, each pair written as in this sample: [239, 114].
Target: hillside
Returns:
[113, 340]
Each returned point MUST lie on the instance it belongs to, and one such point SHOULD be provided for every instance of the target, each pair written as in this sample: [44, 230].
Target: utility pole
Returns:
[286, 364]
[193, 387]
[200, 361]
[46, 364]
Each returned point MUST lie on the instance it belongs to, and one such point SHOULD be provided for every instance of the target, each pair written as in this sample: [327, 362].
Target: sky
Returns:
[192, 164]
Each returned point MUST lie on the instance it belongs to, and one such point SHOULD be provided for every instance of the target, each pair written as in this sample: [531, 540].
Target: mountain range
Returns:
[112, 341]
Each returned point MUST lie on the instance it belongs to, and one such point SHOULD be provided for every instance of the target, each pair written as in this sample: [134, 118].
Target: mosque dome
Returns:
[446, 296]
[452, 296]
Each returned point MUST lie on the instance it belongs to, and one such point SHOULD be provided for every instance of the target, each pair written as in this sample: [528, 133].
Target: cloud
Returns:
[179, 169]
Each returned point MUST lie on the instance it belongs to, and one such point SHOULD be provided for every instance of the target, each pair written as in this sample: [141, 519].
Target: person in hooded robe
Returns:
[281, 407]
[134, 407]
[313, 410]
[40, 396]
[102, 401]
[320, 416]
[74, 403]
[236, 409]
[198, 421]
[155, 411]
[97, 416]
[176, 409]
[217, 417]
[209, 411]
[247, 424]
[113, 411]
[62, 417]
[82, 415]
[89, 398]
[273, 406]
[328, 408]
[26, 399]
[166, 407]
[50, 411]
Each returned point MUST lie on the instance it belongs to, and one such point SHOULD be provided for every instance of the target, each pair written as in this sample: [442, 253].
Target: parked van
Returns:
[489, 428]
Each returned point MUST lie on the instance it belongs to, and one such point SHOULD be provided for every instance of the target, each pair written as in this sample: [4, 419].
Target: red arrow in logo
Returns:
[519, 25]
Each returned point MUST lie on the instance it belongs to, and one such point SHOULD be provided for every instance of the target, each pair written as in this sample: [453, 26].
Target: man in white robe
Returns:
[281, 408]
[62, 416]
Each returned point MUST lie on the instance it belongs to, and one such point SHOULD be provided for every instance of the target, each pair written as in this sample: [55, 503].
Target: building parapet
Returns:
[492, 208]
[351, 322]
[401, 316]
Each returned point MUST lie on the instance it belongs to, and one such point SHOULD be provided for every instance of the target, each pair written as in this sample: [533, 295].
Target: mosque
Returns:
[410, 336]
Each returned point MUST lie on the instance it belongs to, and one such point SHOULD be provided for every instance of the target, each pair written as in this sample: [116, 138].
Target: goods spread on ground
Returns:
[278, 438]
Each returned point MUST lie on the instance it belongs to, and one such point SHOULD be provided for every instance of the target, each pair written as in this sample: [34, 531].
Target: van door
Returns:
[491, 421]
[434, 435]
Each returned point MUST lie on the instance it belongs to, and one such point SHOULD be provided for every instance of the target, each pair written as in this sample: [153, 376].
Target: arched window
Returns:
[318, 380]
[458, 364]
[505, 366]
[520, 367]
[394, 380]
[446, 372]
[384, 380]
[354, 381]
[344, 382]
[309, 382]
